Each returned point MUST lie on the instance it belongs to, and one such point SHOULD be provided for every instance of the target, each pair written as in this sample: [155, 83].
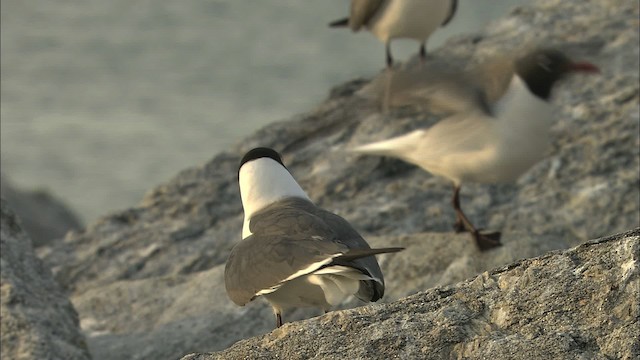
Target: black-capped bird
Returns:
[482, 142]
[292, 252]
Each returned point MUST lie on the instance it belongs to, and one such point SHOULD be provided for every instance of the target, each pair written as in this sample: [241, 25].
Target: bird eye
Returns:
[544, 62]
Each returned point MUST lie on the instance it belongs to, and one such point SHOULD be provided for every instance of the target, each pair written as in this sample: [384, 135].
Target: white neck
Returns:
[521, 106]
[523, 120]
[262, 182]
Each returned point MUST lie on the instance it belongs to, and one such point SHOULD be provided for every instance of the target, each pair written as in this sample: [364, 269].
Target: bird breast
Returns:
[413, 19]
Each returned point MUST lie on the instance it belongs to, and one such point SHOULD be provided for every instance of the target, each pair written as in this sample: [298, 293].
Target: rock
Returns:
[172, 314]
[576, 304]
[147, 280]
[164, 317]
[43, 216]
[189, 223]
[38, 320]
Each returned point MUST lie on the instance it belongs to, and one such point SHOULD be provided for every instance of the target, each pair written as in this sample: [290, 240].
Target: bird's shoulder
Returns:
[302, 220]
[291, 216]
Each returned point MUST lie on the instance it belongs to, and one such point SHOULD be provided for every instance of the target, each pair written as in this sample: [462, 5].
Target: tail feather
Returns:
[377, 148]
[340, 23]
[399, 146]
[360, 253]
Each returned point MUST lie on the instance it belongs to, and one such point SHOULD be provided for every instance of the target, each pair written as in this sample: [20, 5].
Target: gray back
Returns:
[288, 236]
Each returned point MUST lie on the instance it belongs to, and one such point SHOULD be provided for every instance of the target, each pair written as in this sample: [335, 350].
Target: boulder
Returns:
[147, 281]
[38, 320]
[580, 303]
[166, 316]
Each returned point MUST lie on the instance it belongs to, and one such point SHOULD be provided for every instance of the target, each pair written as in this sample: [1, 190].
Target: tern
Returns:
[292, 252]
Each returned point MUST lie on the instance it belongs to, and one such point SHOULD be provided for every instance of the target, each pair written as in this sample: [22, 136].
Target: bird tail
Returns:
[371, 290]
[340, 23]
[360, 253]
[400, 146]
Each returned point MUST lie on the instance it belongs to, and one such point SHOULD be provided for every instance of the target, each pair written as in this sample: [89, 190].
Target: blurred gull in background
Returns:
[399, 19]
[483, 141]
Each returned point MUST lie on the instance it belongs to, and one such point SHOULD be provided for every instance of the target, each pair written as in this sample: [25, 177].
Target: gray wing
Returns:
[288, 237]
[261, 262]
[362, 11]
[369, 290]
[434, 85]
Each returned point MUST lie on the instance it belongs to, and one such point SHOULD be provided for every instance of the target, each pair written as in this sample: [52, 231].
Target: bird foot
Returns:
[487, 241]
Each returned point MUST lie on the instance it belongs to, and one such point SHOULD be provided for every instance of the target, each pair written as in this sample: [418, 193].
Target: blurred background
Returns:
[103, 100]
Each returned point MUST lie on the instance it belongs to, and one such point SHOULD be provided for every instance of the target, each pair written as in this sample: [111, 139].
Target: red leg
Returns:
[484, 241]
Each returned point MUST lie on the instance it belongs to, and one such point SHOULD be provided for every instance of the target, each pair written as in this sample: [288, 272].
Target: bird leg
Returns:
[387, 91]
[458, 226]
[484, 241]
[389, 57]
[387, 81]
[423, 53]
[278, 320]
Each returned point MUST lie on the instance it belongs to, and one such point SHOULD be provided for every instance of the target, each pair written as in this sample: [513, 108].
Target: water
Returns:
[102, 100]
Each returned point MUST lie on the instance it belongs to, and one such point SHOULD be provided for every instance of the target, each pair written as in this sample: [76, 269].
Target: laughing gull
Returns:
[292, 252]
[488, 142]
[395, 19]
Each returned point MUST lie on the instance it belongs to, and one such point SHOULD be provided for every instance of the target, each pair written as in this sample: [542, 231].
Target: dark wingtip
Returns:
[389, 250]
[353, 254]
[340, 23]
[260, 152]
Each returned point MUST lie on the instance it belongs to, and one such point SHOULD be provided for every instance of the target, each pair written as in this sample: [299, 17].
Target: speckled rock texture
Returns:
[580, 303]
[37, 319]
[147, 281]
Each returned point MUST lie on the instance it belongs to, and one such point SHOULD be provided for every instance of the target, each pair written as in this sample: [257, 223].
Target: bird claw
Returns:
[487, 241]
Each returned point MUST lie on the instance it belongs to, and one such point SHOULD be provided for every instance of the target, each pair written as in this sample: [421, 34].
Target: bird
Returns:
[292, 252]
[396, 19]
[485, 142]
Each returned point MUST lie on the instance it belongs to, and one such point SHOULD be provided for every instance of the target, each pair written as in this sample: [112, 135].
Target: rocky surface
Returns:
[38, 320]
[576, 304]
[43, 216]
[147, 281]
[156, 316]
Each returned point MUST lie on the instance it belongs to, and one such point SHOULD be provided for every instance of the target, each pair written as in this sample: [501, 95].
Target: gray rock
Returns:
[576, 304]
[38, 320]
[189, 223]
[147, 281]
[165, 317]
[43, 216]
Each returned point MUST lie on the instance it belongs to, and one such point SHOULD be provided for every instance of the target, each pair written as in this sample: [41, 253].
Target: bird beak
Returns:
[584, 67]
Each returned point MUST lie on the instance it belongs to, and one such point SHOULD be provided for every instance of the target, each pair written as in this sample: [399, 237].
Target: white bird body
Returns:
[409, 19]
[399, 19]
[322, 289]
[482, 142]
[478, 147]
